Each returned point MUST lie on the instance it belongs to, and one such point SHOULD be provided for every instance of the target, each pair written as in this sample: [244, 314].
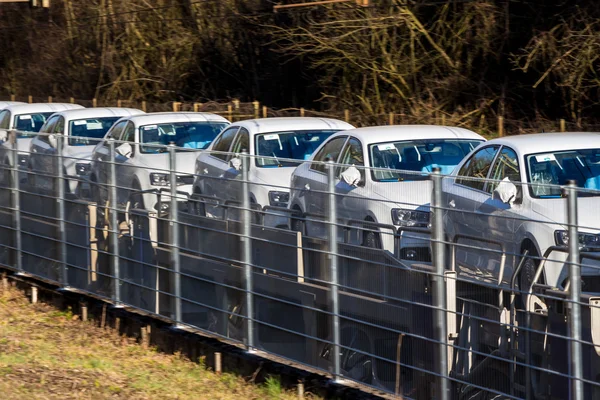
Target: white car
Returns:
[274, 145]
[83, 129]
[384, 181]
[142, 158]
[501, 193]
[27, 120]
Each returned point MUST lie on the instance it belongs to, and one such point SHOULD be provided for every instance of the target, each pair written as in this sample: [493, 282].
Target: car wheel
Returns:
[356, 365]
[296, 223]
[371, 240]
[197, 207]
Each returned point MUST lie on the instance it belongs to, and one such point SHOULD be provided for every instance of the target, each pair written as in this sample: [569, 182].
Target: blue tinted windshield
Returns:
[298, 145]
[189, 135]
[420, 156]
[82, 132]
[556, 168]
[30, 124]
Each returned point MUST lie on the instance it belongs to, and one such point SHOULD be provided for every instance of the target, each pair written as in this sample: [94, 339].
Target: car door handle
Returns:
[452, 203]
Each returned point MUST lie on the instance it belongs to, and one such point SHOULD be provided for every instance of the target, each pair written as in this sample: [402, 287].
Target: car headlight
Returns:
[23, 159]
[159, 179]
[585, 239]
[411, 218]
[279, 199]
[83, 169]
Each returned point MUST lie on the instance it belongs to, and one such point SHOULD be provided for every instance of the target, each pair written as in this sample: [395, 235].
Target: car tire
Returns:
[371, 240]
[526, 275]
[196, 206]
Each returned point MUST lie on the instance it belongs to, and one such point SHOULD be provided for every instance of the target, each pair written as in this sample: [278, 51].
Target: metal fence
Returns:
[416, 284]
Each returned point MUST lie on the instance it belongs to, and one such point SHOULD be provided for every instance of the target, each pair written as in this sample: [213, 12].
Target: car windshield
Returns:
[556, 168]
[82, 132]
[392, 158]
[30, 124]
[189, 135]
[297, 145]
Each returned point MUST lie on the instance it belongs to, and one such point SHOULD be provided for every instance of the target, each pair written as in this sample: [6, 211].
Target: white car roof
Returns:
[266, 125]
[41, 107]
[389, 133]
[4, 104]
[548, 142]
[84, 113]
[170, 117]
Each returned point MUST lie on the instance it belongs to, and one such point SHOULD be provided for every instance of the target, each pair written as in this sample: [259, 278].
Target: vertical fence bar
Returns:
[575, 359]
[439, 288]
[563, 125]
[114, 220]
[333, 267]
[16, 201]
[174, 227]
[246, 249]
[60, 200]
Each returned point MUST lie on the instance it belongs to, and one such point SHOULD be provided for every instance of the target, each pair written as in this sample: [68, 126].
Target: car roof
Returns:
[41, 107]
[4, 104]
[82, 113]
[547, 142]
[388, 133]
[278, 124]
[170, 117]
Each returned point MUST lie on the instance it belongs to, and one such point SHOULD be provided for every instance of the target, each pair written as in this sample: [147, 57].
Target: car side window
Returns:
[116, 130]
[476, 169]
[49, 126]
[353, 155]
[242, 141]
[128, 134]
[505, 166]
[223, 143]
[60, 126]
[330, 151]
[4, 119]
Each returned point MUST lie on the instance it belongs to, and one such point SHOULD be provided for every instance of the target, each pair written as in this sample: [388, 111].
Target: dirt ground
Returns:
[50, 354]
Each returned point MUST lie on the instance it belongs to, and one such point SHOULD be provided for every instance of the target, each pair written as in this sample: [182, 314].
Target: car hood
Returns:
[184, 163]
[23, 145]
[276, 176]
[407, 194]
[80, 153]
[555, 210]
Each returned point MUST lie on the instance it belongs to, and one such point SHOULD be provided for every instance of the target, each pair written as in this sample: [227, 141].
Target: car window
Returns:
[60, 126]
[505, 166]
[89, 131]
[49, 125]
[4, 119]
[476, 169]
[242, 141]
[116, 130]
[281, 148]
[29, 125]
[223, 143]
[330, 151]
[352, 155]
[128, 134]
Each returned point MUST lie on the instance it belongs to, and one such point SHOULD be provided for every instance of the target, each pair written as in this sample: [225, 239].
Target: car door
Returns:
[315, 185]
[232, 184]
[125, 166]
[502, 218]
[40, 158]
[464, 198]
[351, 203]
[101, 156]
[213, 166]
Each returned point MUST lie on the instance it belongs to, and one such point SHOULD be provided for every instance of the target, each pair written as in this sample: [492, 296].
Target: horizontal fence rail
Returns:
[419, 284]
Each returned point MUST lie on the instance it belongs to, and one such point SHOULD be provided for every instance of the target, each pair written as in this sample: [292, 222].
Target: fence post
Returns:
[500, 126]
[256, 105]
[60, 200]
[230, 112]
[144, 108]
[265, 112]
[30, 99]
[176, 106]
[114, 221]
[440, 327]
[333, 268]
[72, 100]
[302, 111]
[562, 125]
[174, 228]
[94, 102]
[16, 201]
[246, 249]
[575, 359]
[49, 99]
[197, 107]
[13, 97]
[236, 104]
[347, 115]
[391, 118]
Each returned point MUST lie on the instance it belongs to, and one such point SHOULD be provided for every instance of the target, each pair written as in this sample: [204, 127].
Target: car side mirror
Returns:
[352, 176]
[507, 191]
[52, 140]
[236, 163]
[125, 150]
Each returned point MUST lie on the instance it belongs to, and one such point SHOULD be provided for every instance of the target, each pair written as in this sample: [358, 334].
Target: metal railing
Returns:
[456, 324]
